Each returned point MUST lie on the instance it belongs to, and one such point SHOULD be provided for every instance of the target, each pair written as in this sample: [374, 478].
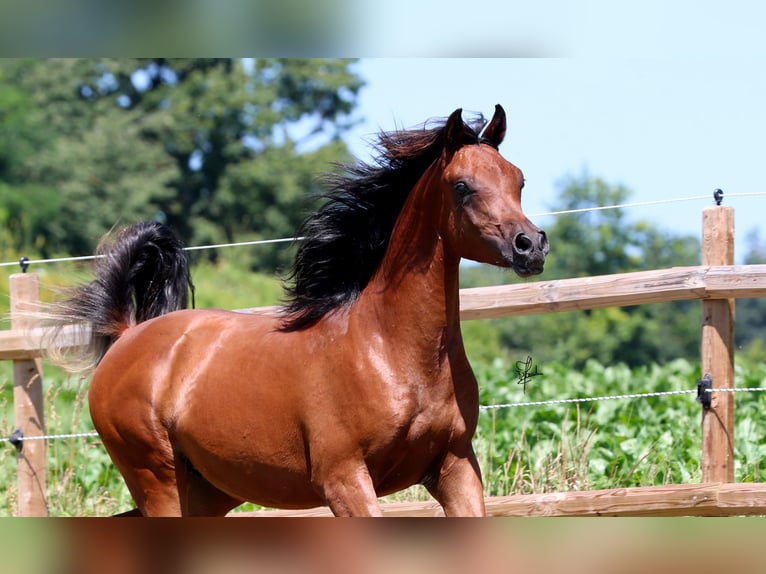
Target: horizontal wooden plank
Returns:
[672, 500]
[737, 497]
[29, 344]
[637, 288]
[735, 281]
[641, 287]
[707, 499]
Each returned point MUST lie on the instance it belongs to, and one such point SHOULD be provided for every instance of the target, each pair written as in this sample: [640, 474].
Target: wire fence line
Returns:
[88, 434]
[617, 397]
[92, 434]
[244, 243]
[194, 248]
[294, 239]
[620, 206]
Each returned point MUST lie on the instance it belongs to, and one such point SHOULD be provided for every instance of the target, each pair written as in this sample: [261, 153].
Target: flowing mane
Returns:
[345, 240]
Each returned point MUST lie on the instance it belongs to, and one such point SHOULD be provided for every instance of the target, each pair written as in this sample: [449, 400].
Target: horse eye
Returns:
[462, 190]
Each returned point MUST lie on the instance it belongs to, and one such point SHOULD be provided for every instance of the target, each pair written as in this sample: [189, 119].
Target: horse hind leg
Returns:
[161, 480]
[132, 513]
[197, 496]
[146, 465]
[154, 494]
[182, 492]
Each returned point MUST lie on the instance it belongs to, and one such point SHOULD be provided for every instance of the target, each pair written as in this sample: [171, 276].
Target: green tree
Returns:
[605, 242]
[592, 242]
[750, 315]
[22, 204]
[203, 144]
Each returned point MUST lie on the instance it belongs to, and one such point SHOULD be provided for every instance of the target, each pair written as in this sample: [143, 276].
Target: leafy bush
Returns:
[607, 444]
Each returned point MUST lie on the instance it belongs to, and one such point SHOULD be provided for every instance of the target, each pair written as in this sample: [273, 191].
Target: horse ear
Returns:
[495, 132]
[454, 130]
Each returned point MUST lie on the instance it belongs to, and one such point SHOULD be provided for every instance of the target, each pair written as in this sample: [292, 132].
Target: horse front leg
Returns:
[457, 486]
[348, 490]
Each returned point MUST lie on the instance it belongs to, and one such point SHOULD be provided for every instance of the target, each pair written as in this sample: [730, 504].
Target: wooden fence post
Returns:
[718, 351]
[28, 402]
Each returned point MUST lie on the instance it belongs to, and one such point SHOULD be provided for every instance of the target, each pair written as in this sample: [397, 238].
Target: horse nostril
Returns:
[544, 245]
[522, 243]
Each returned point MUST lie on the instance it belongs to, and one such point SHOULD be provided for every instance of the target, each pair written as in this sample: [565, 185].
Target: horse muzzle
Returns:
[527, 252]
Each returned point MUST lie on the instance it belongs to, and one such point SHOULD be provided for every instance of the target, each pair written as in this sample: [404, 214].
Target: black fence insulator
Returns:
[24, 262]
[718, 196]
[703, 391]
[16, 439]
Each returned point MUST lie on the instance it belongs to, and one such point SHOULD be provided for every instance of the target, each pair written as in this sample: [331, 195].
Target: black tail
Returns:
[141, 273]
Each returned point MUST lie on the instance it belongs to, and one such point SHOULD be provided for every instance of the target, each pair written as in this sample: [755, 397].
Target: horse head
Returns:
[486, 222]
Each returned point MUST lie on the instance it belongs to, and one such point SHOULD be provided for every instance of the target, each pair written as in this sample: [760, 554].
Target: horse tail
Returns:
[141, 273]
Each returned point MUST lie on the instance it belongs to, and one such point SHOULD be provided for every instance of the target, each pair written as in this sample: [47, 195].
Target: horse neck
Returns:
[415, 290]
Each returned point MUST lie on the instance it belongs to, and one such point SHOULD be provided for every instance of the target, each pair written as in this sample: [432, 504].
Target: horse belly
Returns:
[243, 435]
[254, 479]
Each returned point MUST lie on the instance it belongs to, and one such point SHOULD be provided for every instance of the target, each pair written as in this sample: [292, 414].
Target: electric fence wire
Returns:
[295, 239]
[92, 434]
[615, 397]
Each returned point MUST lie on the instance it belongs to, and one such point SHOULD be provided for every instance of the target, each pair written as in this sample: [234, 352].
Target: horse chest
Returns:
[407, 452]
[414, 426]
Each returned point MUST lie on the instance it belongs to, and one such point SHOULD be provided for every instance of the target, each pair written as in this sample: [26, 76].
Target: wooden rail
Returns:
[624, 289]
[30, 344]
[636, 288]
[705, 499]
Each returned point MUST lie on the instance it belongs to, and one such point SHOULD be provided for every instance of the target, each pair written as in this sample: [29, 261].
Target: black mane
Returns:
[344, 242]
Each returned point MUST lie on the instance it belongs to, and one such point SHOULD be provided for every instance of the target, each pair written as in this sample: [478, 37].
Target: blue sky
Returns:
[666, 97]
[664, 127]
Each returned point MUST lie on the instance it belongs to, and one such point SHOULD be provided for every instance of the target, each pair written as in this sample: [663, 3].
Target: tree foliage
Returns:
[220, 149]
[750, 314]
[605, 242]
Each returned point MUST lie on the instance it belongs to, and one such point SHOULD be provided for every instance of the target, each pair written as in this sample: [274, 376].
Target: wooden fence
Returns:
[717, 283]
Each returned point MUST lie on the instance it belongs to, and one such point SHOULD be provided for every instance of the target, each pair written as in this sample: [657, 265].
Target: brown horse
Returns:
[358, 388]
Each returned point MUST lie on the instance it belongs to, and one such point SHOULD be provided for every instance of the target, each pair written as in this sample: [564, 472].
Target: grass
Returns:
[81, 480]
[611, 444]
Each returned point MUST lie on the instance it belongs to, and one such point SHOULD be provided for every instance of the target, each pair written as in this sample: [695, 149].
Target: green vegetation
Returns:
[82, 481]
[609, 444]
[625, 442]
[222, 150]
